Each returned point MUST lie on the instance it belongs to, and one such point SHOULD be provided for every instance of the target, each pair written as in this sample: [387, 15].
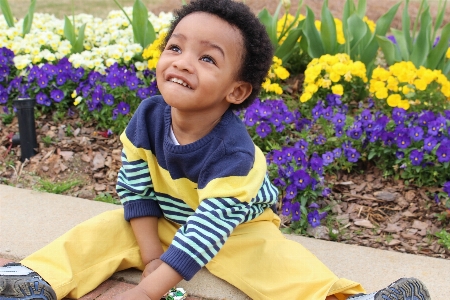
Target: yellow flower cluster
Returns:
[153, 51]
[331, 73]
[277, 71]
[284, 22]
[403, 85]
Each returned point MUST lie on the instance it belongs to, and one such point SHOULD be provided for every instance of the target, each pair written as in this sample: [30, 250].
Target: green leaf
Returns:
[150, 35]
[388, 49]
[265, 18]
[7, 14]
[328, 30]
[401, 43]
[28, 20]
[285, 50]
[69, 31]
[79, 44]
[422, 44]
[382, 25]
[315, 45]
[406, 24]
[140, 18]
[446, 69]
[439, 18]
[358, 30]
[346, 12]
[362, 7]
[437, 54]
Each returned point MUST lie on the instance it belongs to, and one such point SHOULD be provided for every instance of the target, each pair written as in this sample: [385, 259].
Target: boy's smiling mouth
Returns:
[180, 81]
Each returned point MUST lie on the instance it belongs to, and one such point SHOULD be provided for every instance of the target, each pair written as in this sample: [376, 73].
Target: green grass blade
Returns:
[123, 10]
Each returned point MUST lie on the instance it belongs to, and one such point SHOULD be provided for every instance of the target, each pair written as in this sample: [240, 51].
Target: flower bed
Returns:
[344, 117]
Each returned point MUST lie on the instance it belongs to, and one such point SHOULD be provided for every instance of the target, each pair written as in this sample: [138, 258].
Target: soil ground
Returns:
[100, 8]
[367, 209]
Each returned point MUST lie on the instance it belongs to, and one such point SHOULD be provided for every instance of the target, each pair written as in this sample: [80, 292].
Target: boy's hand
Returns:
[150, 267]
[135, 293]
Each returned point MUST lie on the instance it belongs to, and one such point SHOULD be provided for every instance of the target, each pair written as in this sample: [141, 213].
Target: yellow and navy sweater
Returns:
[207, 187]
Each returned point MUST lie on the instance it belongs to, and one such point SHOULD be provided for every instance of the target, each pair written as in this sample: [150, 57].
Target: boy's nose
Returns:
[183, 64]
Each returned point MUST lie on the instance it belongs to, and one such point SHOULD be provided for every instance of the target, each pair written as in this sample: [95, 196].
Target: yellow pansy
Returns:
[370, 23]
[394, 100]
[311, 88]
[448, 53]
[325, 83]
[335, 77]
[337, 89]
[420, 84]
[77, 100]
[266, 84]
[382, 93]
[305, 97]
[392, 84]
[281, 72]
[404, 104]
[380, 74]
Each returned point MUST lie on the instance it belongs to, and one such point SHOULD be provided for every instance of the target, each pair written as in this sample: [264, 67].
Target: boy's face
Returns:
[198, 68]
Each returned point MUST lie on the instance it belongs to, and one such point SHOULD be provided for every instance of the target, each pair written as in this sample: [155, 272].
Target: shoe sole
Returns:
[25, 288]
[404, 289]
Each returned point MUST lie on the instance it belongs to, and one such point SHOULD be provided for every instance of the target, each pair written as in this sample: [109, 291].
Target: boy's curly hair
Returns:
[258, 50]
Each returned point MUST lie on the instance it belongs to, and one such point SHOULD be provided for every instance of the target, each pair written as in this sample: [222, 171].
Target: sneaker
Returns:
[175, 294]
[402, 289]
[20, 282]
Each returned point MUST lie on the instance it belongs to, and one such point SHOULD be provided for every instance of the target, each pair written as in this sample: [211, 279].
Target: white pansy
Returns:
[106, 42]
[22, 61]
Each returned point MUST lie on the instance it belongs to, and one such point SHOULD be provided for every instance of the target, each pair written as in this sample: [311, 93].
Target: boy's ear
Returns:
[240, 92]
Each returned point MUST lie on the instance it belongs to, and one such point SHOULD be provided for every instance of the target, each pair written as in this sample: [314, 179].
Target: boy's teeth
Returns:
[179, 81]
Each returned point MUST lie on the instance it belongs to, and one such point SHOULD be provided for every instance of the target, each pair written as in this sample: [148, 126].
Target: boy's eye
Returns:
[174, 48]
[208, 59]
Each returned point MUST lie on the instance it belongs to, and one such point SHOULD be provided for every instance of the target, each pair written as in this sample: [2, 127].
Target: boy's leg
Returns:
[88, 254]
[262, 263]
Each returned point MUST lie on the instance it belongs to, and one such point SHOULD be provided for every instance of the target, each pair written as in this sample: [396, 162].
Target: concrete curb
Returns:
[29, 220]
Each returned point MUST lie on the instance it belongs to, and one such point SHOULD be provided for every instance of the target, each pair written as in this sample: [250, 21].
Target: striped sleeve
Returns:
[205, 232]
[135, 189]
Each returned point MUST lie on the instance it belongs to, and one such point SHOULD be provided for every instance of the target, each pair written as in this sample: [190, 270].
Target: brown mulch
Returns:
[367, 209]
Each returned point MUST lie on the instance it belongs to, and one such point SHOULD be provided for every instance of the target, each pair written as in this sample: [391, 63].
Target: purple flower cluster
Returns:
[117, 92]
[6, 69]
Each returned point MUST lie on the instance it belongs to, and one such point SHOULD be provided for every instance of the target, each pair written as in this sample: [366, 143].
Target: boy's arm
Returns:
[154, 286]
[146, 232]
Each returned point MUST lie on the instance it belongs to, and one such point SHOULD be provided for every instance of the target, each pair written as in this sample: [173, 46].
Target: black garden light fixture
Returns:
[27, 128]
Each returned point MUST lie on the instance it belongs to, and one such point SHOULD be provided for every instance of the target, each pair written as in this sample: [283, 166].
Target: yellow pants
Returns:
[256, 258]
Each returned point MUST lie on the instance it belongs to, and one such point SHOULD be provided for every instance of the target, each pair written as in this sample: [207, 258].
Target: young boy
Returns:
[193, 185]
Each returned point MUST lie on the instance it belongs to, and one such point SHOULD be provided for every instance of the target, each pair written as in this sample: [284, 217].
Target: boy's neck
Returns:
[189, 128]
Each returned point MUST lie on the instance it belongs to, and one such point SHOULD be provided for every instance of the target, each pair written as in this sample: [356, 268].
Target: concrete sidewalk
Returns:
[30, 219]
